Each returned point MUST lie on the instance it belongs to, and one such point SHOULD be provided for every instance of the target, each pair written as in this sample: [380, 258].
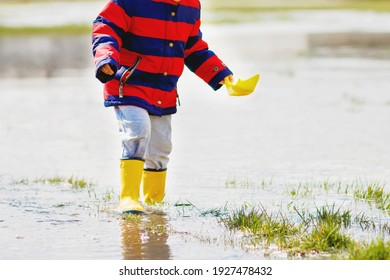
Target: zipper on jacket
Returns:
[126, 75]
[178, 99]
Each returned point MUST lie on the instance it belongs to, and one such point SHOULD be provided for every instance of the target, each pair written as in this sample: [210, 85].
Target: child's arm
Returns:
[108, 29]
[203, 62]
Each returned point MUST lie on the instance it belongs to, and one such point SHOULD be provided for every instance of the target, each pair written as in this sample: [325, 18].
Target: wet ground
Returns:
[320, 112]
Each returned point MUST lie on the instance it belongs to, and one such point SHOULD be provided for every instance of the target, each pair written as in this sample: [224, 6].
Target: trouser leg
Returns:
[134, 130]
[156, 159]
[160, 144]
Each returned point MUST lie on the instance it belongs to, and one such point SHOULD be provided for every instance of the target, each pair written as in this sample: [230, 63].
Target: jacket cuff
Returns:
[104, 78]
[215, 81]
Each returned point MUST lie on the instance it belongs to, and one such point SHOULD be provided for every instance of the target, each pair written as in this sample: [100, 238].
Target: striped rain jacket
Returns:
[147, 43]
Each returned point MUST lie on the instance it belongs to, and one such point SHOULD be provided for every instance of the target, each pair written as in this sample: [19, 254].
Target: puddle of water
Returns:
[57, 222]
[51, 222]
[42, 221]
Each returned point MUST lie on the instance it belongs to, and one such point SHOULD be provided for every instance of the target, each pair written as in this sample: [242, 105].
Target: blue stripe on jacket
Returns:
[139, 102]
[193, 61]
[107, 39]
[158, 10]
[153, 46]
[150, 80]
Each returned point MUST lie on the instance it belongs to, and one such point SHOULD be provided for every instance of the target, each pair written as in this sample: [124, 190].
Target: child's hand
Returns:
[230, 78]
[106, 69]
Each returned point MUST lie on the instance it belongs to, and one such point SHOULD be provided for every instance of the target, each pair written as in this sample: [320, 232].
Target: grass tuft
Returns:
[319, 232]
[326, 236]
[376, 250]
[74, 182]
[271, 227]
[374, 193]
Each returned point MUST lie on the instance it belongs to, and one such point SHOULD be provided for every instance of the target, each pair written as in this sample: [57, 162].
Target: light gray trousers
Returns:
[144, 137]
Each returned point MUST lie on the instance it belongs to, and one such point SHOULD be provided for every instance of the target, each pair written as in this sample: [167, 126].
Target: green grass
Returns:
[276, 6]
[185, 209]
[383, 7]
[370, 191]
[326, 236]
[374, 193]
[217, 212]
[109, 195]
[240, 183]
[331, 214]
[328, 225]
[64, 30]
[309, 189]
[328, 231]
[268, 227]
[322, 232]
[233, 12]
[22, 181]
[75, 183]
[375, 250]
[304, 190]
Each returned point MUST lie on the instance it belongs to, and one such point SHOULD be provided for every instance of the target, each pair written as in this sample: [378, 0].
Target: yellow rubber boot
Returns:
[154, 186]
[131, 176]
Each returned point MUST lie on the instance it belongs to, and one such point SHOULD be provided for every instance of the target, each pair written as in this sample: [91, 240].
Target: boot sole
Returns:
[133, 212]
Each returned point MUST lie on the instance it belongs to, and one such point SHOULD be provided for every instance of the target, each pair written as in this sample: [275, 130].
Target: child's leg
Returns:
[160, 145]
[156, 159]
[134, 129]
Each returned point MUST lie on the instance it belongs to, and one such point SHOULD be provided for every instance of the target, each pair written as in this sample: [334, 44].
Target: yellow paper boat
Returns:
[242, 87]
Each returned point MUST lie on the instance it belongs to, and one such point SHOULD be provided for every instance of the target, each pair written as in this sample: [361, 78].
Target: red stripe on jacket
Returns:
[208, 69]
[116, 15]
[154, 64]
[159, 29]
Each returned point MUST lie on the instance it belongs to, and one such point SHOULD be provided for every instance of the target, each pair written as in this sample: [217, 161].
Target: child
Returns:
[140, 49]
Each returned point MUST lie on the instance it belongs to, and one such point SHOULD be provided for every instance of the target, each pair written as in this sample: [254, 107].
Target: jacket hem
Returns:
[135, 101]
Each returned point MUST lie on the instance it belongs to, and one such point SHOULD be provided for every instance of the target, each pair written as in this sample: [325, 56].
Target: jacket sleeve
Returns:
[107, 33]
[204, 62]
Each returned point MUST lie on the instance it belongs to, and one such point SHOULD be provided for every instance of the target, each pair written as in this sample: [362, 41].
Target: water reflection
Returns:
[145, 237]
